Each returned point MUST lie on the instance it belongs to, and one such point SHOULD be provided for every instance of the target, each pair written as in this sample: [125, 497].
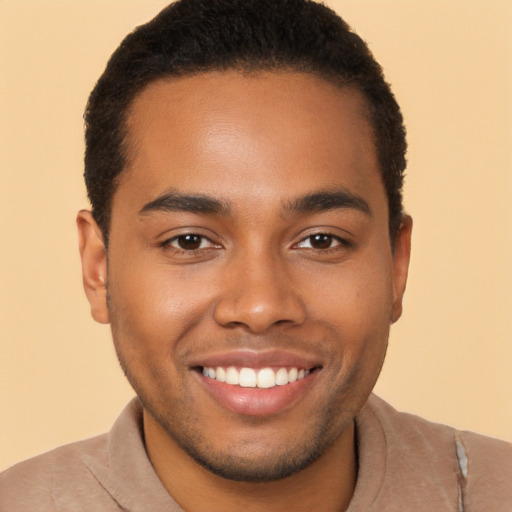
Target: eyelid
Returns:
[167, 243]
[342, 236]
[334, 238]
[340, 242]
[176, 238]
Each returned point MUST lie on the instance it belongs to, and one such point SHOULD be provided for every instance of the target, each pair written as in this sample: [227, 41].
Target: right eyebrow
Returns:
[177, 202]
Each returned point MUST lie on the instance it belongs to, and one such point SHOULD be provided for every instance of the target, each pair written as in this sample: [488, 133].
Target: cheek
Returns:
[153, 306]
[356, 295]
[355, 302]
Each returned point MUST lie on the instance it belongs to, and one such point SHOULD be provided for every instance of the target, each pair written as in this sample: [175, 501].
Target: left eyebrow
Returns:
[325, 200]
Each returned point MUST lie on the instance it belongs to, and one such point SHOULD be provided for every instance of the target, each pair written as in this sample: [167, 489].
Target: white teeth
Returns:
[232, 376]
[282, 377]
[247, 378]
[221, 374]
[264, 378]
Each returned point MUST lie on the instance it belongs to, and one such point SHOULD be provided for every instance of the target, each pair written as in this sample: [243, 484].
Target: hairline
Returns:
[249, 69]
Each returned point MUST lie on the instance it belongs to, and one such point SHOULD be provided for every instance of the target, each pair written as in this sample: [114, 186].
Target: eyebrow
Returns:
[325, 200]
[194, 203]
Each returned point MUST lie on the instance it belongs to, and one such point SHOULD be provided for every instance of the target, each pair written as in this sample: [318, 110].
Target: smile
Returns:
[263, 378]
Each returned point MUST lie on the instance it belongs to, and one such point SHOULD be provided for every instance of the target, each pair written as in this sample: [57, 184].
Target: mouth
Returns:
[263, 378]
[257, 383]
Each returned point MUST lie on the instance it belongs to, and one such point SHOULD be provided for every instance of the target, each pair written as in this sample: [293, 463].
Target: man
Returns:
[248, 246]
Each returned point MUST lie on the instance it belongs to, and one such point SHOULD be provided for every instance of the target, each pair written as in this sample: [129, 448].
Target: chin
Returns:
[245, 464]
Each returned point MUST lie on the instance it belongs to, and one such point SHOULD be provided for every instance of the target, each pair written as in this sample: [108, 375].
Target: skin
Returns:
[257, 280]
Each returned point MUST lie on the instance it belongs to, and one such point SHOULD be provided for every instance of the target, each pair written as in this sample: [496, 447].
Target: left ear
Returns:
[401, 257]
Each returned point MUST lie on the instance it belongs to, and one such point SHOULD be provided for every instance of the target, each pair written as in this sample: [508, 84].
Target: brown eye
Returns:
[321, 241]
[189, 242]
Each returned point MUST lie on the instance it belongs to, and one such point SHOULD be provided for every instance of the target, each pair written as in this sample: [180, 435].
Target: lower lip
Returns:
[256, 401]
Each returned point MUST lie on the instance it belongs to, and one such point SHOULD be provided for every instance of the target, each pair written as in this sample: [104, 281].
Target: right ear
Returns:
[94, 265]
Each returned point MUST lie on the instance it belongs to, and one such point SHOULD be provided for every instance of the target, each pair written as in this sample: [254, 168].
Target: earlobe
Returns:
[401, 258]
[94, 265]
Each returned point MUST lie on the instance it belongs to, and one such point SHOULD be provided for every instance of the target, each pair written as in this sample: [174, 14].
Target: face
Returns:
[251, 279]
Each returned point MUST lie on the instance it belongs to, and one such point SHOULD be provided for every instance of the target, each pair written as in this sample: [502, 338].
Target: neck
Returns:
[326, 485]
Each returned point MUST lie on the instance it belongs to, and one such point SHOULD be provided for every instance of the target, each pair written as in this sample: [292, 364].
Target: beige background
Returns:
[450, 357]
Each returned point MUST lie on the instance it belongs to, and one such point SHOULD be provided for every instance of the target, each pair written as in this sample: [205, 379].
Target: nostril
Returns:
[259, 314]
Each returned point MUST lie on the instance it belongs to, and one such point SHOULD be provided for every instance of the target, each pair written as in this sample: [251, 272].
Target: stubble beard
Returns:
[236, 465]
[239, 464]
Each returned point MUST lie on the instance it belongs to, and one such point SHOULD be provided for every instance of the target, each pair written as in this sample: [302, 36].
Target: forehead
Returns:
[249, 136]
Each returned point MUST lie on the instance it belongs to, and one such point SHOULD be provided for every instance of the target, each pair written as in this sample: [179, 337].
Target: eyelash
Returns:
[167, 244]
[340, 242]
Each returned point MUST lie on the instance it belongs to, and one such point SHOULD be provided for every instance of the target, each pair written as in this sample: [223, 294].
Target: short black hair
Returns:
[194, 36]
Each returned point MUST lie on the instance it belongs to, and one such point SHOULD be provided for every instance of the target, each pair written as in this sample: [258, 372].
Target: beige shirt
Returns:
[405, 464]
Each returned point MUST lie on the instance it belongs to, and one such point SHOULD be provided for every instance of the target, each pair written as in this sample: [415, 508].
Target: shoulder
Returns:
[37, 483]
[110, 472]
[483, 464]
[403, 424]
[487, 467]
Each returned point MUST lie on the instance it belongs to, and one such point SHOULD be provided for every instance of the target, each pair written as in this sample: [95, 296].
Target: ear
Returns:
[94, 265]
[401, 257]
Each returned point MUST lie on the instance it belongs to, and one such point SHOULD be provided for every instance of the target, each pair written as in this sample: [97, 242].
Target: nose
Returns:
[258, 294]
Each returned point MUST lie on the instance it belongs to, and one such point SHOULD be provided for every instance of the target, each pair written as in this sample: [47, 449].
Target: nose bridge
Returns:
[258, 292]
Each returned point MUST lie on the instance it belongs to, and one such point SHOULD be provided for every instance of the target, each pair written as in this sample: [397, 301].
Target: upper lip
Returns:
[257, 359]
